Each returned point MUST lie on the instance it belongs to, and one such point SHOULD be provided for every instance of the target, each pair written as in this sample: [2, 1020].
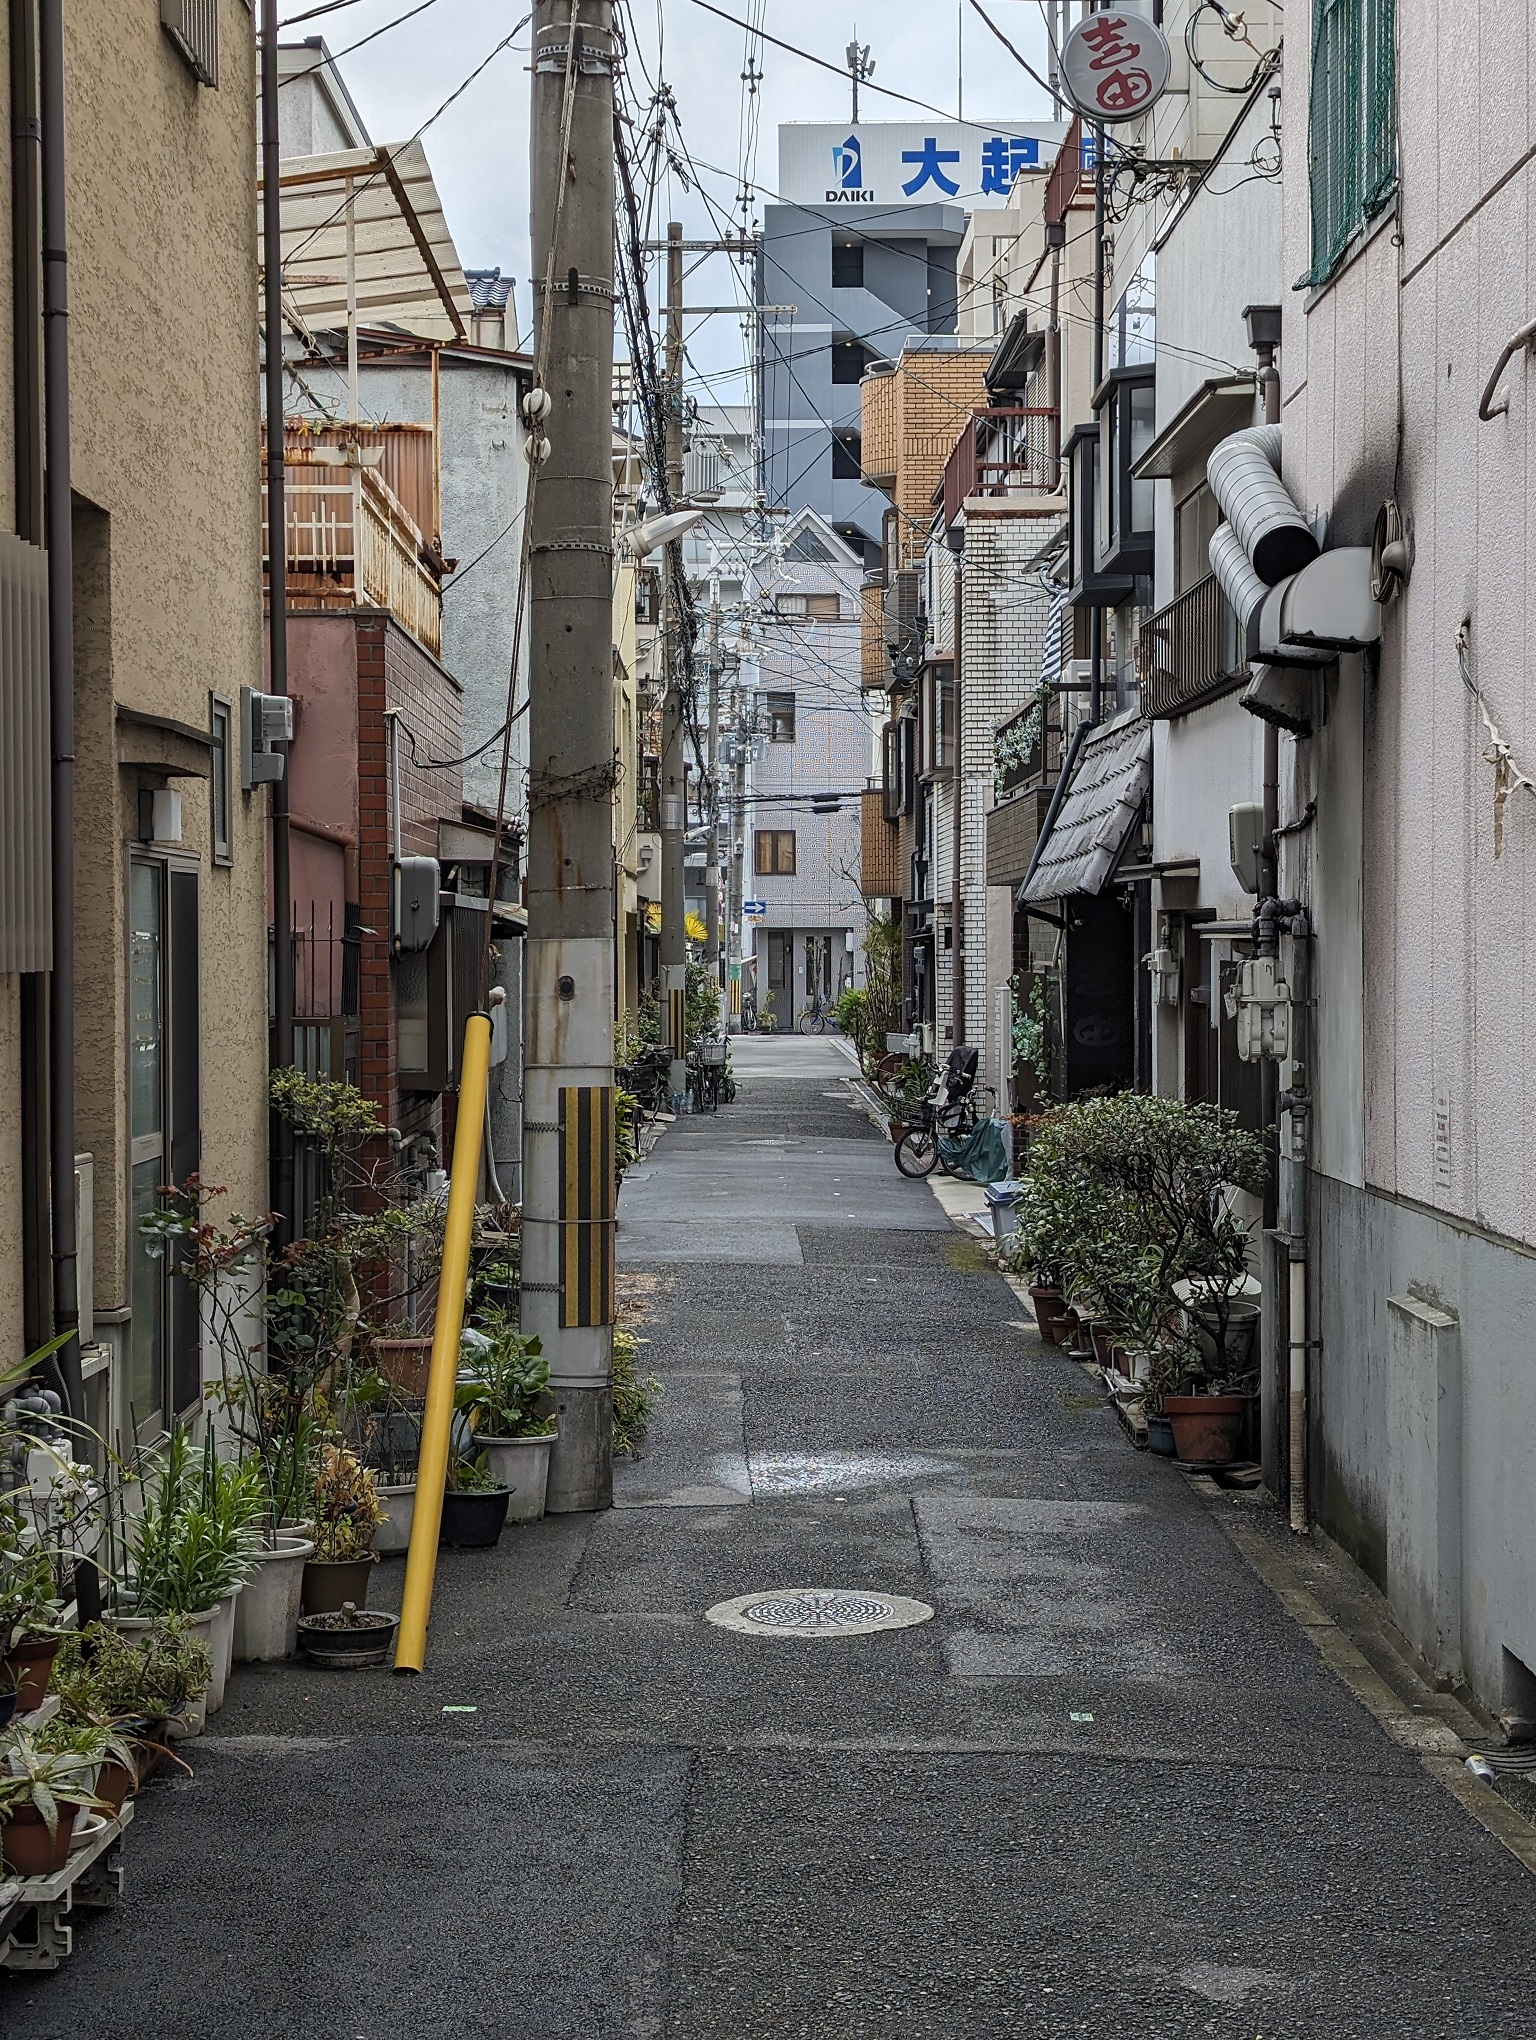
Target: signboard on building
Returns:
[1115, 66]
[754, 909]
[878, 163]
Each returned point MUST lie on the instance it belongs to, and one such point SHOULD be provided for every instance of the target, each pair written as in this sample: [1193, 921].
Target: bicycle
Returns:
[749, 1013]
[948, 1113]
[707, 1073]
[816, 1018]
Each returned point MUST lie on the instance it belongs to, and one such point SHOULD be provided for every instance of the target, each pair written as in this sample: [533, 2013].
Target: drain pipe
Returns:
[1297, 1104]
[61, 683]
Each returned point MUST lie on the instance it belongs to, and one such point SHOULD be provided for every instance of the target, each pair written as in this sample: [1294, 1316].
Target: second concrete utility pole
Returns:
[570, 1193]
[674, 771]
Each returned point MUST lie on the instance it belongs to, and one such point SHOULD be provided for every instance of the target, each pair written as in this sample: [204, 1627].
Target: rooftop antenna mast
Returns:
[861, 64]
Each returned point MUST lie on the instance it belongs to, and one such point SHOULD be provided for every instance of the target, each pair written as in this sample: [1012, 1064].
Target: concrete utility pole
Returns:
[715, 948]
[569, 1189]
[674, 781]
[736, 890]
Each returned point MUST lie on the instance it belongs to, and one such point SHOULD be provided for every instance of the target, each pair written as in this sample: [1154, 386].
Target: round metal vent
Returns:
[817, 1611]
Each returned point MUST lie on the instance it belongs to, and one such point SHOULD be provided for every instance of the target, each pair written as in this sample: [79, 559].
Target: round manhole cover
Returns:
[817, 1611]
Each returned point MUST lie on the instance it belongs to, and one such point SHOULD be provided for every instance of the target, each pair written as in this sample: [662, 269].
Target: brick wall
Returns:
[910, 422]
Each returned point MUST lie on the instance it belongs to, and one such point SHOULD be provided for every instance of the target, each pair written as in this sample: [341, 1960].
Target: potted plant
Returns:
[141, 1685]
[188, 1552]
[42, 1793]
[346, 1516]
[349, 1639]
[474, 1505]
[507, 1404]
[383, 1424]
[30, 1614]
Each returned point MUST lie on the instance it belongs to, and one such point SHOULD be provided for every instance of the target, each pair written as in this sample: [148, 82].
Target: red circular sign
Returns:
[1114, 66]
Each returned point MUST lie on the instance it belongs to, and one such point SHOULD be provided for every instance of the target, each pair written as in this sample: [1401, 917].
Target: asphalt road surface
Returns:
[1107, 1790]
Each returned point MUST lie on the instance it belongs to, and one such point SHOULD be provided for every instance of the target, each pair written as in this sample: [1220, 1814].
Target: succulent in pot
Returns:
[41, 1793]
[474, 1504]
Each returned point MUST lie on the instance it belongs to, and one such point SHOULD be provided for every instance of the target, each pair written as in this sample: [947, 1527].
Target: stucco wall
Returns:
[169, 575]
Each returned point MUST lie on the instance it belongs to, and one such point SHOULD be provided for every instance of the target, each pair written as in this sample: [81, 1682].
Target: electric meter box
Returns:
[1245, 837]
[418, 882]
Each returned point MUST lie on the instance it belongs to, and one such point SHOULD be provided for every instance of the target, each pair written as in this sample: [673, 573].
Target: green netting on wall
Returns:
[1351, 124]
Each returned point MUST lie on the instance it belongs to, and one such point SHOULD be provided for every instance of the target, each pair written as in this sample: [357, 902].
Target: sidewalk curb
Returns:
[1437, 1746]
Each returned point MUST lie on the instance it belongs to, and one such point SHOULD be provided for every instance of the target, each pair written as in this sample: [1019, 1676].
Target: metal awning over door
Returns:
[1110, 779]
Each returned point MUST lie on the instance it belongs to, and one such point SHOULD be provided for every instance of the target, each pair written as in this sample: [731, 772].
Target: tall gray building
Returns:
[860, 252]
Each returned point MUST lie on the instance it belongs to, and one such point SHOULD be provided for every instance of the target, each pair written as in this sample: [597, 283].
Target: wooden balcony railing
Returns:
[351, 542]
[1189, 653]
[1008, 450]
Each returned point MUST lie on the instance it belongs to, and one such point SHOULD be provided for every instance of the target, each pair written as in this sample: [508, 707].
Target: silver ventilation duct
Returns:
[1239, 583]
[1244, 476]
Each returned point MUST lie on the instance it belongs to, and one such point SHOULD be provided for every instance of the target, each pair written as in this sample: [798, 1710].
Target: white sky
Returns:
[479, 148]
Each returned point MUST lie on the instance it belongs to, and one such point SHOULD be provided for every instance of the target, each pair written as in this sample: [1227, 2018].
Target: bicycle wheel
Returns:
[917, 1151]
[808, 1021]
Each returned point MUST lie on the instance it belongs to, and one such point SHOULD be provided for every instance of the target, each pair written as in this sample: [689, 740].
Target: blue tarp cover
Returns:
[982, 1155]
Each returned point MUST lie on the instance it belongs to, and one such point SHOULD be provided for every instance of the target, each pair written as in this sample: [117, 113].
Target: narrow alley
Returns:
[1108, 1789]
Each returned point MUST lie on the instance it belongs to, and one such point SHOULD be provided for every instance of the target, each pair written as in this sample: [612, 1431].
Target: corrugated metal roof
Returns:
[488, 289]
[1109, 783]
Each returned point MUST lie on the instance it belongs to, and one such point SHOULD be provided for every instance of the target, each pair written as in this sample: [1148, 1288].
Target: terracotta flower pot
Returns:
[115, 1783]
[28, 1667]
[1206, 1428]
[1051, 1314]
[29, 1849]
[1106, 1345]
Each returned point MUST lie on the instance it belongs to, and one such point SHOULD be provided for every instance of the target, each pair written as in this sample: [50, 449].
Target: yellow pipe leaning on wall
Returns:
[437, 1423]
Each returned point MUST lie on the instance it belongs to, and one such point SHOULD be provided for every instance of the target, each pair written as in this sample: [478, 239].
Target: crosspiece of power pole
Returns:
[570, 1194]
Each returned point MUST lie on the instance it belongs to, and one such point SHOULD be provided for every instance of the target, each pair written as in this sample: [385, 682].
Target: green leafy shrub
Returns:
[635, 1395]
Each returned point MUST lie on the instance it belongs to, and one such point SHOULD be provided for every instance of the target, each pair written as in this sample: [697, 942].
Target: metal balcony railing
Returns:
[1005, 451]
[1067, 176]
[1189, 653]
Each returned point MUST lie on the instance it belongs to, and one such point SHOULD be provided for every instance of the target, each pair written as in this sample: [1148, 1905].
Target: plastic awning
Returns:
[1097, 812]
[407, 271]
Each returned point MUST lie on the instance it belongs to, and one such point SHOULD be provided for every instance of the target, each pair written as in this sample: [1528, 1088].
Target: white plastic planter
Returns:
[199, 1626]
[521, 1464]
[399, 1506]
[266, 1616]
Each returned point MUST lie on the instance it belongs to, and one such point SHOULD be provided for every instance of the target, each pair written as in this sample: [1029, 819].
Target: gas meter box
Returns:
[1263, 1011]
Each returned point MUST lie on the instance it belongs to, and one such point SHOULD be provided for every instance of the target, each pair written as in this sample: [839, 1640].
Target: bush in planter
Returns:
[30, 1610]
[102, 1676]
[346, 1507]
[509, 1395]
[187, 1547]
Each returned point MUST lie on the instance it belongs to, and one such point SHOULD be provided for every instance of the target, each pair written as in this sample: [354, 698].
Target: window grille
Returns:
[193, 25]
[1352, 124]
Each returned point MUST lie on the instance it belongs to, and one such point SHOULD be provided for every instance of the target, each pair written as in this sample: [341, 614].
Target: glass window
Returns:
[1143, 429]
[146, 1021]
[848, 359]
[219, 723]
[1351, 124]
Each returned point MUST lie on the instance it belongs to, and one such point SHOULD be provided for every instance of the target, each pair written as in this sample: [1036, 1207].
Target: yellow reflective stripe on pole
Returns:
[437, 1424]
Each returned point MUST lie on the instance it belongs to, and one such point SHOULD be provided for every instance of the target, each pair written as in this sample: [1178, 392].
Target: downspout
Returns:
[1269, 855]
[1096, 615]
[1297, 1102]
[957, 844]
[27, 390]
[61, 683]
[277, 600]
